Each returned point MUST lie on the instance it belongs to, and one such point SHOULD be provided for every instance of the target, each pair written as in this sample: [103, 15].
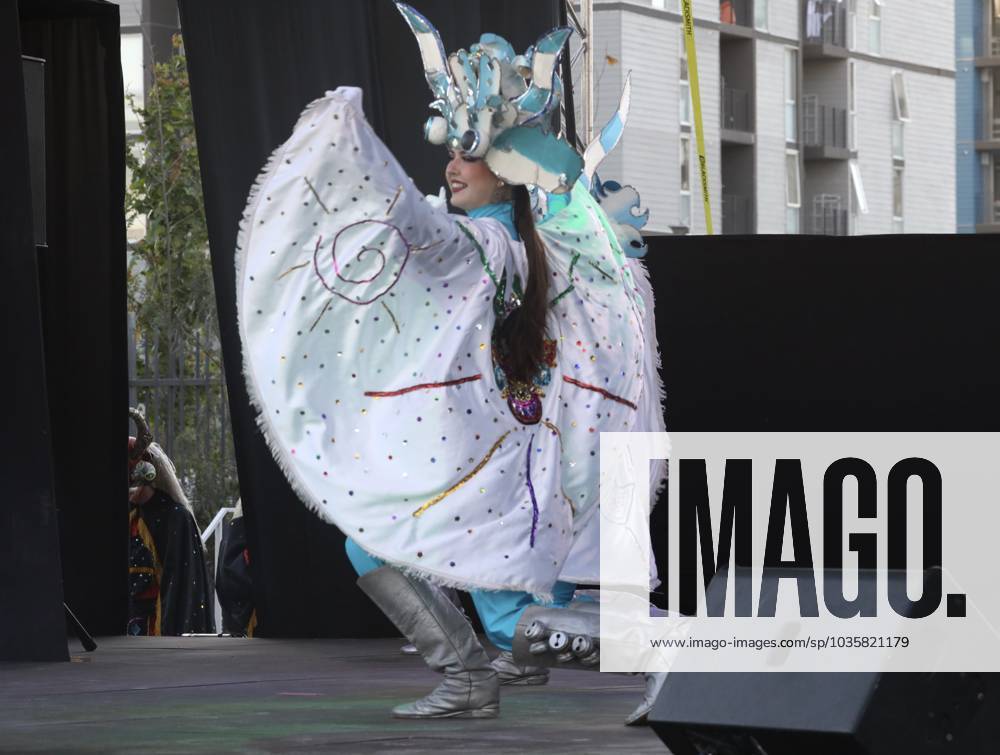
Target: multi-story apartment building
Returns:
[820, 116]
[147, 27]
[977, 92]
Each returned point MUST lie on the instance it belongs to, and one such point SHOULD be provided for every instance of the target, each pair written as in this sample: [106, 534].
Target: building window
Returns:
[132, 78]
[760, 14]
[875, 28]
[858, 187]
[685, 164]
[791, 95]
[133, 81]
[995, 210]
[852, 24]
[995, 29]
[859, 201]
[900, 114]
[900, 102]
[994, 216]
[852, 105]
[793, 191]
[897, 199]
[684, 99]
[898, 152]
[995, 131]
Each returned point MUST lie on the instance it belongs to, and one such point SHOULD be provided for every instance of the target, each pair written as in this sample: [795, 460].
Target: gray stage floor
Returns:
[208, 694]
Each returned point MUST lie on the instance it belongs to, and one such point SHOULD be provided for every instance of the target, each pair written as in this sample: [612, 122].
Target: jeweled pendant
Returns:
[526, 411]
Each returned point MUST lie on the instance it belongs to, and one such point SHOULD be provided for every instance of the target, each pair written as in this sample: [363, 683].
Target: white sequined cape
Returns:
[365, 317]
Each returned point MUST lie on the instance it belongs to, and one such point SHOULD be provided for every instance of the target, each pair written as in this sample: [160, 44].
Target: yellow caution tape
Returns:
[699, 131]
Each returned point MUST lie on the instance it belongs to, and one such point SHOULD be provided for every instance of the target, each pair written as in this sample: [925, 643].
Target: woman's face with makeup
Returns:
[471, 183]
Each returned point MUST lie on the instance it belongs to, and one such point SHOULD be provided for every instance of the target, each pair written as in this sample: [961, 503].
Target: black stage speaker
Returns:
[826, 714]
[34, 105]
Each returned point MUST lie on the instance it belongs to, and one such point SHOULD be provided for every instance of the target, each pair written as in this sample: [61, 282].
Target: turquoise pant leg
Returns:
[562, 593]
[360, 559]
[501, 610]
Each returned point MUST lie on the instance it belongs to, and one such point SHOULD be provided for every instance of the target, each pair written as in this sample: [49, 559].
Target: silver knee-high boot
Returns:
[452, 594]
[428, 619]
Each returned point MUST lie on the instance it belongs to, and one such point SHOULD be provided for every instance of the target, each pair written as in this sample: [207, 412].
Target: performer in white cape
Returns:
[435, 385]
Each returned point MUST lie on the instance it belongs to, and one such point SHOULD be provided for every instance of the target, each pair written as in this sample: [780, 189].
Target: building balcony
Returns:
[988, 51]
[991, 137]
[992, 219]
[825, 32]
[737, 120]
[830, 223]
[828, 219]
[736, 17]
[824, 131]
[737, 214]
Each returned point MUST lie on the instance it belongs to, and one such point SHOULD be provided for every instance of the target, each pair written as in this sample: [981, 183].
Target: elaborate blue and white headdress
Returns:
[497, 105]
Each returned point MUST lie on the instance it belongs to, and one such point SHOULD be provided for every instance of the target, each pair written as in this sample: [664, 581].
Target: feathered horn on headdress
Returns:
[497, 105]
[143, 435]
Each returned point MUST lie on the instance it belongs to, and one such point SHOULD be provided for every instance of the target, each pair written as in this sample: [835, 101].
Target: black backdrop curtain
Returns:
[31, 613]
[254, 65]
[823, 333]
[82, 275]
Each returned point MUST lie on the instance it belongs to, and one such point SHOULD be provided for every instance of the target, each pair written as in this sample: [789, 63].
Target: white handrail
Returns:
[214, 529]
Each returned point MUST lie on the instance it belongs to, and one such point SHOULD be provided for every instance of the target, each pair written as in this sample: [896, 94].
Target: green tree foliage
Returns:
[171, 294]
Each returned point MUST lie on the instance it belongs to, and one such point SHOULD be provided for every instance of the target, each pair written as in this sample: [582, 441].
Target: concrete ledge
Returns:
[732, 136]
[819, 50]
[825, 152]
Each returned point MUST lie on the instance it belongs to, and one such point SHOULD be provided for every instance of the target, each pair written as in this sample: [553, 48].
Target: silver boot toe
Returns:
[654, 683]
[463, 695]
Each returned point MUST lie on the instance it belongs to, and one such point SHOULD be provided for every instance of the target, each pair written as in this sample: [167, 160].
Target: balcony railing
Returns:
[823, 125]
[826, 23]
[737, 12]
[737, 214]
[736, 109]
[828, 219]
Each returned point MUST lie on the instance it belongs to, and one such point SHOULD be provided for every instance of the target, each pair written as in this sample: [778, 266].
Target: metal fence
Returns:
[826, 22]
[181, 388]
[823, 125]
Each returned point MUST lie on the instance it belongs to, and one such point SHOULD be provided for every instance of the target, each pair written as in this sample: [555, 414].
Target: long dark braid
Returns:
[523, 332]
